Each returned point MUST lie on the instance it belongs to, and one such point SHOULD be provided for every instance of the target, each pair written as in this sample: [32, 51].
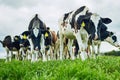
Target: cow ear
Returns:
[106, 20]
[111, 33]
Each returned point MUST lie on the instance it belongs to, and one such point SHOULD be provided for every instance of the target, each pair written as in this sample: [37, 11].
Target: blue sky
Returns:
[15, 15]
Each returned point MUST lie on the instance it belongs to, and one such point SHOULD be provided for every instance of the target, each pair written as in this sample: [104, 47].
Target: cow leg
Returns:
[7, 55]
[52, 52]
[57, 49]
[93, 49]
[32, 51]
[66, 52]
[22, 53]
[79, 40]
[36, 52]
[10, 55]
[70, 42]
[28, 55]
[82, 47]
[61, 46]
[33, 56]
[89, 50]
[43, 48]
[16, 56]
[43, 55]
[47, 52]
[78, 37]
[98, 49]
[85, 45]
[19, 55]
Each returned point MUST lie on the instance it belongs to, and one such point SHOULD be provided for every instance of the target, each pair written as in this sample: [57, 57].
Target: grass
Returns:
[102, 68]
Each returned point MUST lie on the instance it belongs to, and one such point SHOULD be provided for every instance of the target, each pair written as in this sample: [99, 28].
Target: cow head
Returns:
[17, 38]
[93, 24]
[47, 37]
[99, 24]
[112, 39]
[24, 39]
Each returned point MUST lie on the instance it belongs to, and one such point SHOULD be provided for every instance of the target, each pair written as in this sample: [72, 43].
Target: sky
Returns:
[15, 15]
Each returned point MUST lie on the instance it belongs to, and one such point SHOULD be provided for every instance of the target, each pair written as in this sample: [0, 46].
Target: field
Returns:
[102, 68]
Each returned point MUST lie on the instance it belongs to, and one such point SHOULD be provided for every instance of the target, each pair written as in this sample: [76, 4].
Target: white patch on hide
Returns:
[36, 32]
[95, 19]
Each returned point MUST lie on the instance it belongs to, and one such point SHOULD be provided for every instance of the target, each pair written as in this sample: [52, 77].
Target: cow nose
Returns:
[36, 49]
[21, 45]
[117, 44]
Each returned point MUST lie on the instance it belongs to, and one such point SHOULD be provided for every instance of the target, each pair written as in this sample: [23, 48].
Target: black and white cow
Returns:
[36, 28]
[10, 46]
[85, 25]
[50, 43]
[68, 28]
[25, 46]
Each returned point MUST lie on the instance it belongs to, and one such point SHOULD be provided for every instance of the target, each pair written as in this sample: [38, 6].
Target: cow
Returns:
[25, 46]
[85, 25]
[11, 46]
[50, 43]
[36, 38]
[66, 28]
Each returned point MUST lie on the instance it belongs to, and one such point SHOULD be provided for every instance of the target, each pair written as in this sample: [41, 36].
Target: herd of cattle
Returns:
[79, 31]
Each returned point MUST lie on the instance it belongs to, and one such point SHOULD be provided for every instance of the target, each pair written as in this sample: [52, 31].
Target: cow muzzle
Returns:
[116, 44]
[36, 49]
[96, 36]
[21, 45]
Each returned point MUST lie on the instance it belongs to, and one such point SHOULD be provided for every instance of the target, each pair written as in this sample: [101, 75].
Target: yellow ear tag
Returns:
[24, 36]
[46, 34]
[83, 24]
